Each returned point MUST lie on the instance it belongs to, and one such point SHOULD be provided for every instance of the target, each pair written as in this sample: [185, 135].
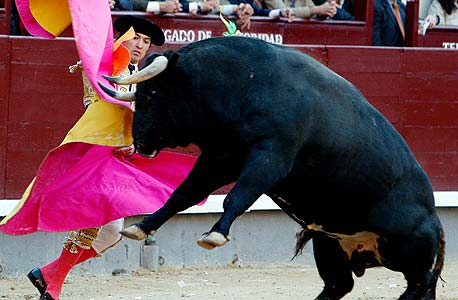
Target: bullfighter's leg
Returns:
[413, 244]
[205, 177]
[266, 164]
[333, 266]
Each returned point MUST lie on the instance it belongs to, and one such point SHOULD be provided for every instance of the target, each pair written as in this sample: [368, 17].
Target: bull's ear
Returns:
[151, 56]
[173, 57]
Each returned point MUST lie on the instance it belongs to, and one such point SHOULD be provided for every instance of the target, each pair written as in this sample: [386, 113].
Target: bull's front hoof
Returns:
[212, 240]
[134, 232]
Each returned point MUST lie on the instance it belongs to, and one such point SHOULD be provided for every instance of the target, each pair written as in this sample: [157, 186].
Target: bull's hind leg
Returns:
[415, 259]
[419, 256]
[333, 266]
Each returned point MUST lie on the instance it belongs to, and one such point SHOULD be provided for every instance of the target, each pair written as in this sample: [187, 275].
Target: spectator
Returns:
[242, 9]
[342, 13]
[258, 10]
[199, 7]
[120, 4]
[389, 23]
[302, 8]
[15, 21]
[167, 6]
[348, 6]
[443, 12]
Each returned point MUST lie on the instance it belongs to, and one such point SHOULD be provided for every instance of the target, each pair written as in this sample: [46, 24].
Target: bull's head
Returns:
[146, 117]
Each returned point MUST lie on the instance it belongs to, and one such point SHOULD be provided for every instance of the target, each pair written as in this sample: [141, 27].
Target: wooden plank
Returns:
[40, 136]
[440, 37]
[317, 52]
[432, 139]
[60, 107]
[365, 59]
[15, 187]
[21, 168]
[439, 165]
[4, 28]
[430, 61]
[431, 114]
[375, 84]
[44, 104]
[411, 26]
[4, 98]
[390, 107]
[430, 87]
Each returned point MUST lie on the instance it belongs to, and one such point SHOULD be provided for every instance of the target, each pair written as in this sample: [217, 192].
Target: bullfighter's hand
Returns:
[111, 3]
[125, 151]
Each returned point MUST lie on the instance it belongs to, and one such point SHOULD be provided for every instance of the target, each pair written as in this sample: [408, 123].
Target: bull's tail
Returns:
[437, 269]
[302, 238]
[438, 266]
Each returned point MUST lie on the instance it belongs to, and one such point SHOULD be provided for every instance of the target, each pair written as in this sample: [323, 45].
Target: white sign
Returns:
[450, 45]
[185, 36]
[268, 37]
[189, 36]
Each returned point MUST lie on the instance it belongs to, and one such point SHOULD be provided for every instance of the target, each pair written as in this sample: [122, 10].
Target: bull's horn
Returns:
[155, 67]
[128, 97]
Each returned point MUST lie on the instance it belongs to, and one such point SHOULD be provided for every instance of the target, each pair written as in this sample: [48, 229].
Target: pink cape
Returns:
[93, 32]
[81, 185]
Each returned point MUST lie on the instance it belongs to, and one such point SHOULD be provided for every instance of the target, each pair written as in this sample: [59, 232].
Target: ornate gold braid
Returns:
[80, 238]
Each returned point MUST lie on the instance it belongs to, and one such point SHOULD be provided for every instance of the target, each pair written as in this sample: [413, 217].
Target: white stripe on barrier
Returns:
[214, 204]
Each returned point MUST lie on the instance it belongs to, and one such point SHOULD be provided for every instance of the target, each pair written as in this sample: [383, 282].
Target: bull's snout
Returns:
[145, 151]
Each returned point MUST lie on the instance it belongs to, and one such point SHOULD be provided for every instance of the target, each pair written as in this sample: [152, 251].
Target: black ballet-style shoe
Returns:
[46, 296]
[38, 281]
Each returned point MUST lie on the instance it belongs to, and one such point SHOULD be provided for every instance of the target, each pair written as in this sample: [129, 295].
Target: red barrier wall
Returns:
[413, 88]
[42, 100]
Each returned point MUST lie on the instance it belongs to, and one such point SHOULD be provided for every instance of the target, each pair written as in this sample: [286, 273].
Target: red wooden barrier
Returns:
[41, 100]
[411, 87]
[4, 100]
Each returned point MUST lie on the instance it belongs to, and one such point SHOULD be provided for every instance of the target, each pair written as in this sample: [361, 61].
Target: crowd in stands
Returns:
[242, 9]
[389, 15]
[443, 12]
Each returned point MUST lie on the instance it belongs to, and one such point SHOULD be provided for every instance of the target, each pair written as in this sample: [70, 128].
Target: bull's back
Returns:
[258, 85]
[345, 146]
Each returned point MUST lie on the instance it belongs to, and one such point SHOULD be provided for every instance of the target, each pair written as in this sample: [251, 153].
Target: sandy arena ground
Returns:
[224, 283]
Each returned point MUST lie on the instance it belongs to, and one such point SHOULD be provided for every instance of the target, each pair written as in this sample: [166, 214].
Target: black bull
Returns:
[278, 122]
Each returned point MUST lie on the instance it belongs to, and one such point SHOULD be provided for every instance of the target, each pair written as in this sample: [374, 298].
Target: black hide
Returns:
[276, 121]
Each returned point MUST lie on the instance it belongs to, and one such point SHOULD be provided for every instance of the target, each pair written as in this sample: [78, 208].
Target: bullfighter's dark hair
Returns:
[140, 25]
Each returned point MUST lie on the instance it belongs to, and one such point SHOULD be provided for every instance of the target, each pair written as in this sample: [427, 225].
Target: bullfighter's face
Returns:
[138, 47]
